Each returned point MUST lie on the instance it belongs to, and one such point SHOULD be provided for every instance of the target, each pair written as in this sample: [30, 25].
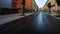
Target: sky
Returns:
[40, 3]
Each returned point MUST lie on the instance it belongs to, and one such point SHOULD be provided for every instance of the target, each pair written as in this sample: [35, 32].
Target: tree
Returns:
[23, 3]
[49, 6]
[58, 3]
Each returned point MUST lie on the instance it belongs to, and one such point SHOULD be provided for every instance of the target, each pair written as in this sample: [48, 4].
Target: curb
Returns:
[55, 17]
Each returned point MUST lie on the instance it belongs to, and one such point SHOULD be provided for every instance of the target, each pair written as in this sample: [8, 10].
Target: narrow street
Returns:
[29, 16]
[40, 24]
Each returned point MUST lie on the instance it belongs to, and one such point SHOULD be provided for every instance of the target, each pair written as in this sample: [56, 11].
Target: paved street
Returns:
[29, 16]
[42, 23]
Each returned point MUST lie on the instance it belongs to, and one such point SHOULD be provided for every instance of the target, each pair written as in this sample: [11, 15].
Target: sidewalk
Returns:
[8, 18]
[53, 15]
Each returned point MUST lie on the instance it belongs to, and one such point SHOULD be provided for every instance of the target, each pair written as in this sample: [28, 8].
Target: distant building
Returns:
[45, 8]
[34, 5]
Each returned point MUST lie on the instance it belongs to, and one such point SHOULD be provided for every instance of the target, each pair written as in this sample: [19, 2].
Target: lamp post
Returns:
[23, 4]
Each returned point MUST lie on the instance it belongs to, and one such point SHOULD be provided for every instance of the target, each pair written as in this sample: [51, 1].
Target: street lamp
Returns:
[23, 3]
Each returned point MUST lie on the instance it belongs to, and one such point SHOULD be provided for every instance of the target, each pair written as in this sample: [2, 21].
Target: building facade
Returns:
[31, 5]
[34, 6]
[8, 6]
[54, 6]
[5, 6]
[15, 6]
[45, 8]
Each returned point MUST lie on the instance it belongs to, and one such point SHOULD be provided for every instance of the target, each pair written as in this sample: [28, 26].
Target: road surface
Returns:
[40, 24]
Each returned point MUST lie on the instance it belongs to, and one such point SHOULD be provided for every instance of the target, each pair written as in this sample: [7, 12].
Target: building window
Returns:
[16, 0]
[14, 6]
